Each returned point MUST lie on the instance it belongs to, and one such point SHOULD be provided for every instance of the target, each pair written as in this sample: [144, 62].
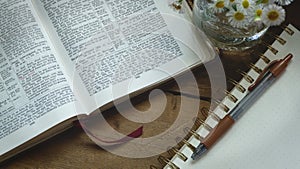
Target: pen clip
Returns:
[262, 75]
[276, 67]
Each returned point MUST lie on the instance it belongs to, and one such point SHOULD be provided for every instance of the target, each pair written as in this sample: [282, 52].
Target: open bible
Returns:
[60, 59]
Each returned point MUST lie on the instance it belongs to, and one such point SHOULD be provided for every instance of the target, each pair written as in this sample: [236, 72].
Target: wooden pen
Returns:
[266, 78]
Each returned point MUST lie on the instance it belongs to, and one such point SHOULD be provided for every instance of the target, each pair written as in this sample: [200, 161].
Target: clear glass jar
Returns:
[217, 27]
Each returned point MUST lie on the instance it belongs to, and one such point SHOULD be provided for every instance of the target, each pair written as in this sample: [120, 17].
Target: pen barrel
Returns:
[223, 126]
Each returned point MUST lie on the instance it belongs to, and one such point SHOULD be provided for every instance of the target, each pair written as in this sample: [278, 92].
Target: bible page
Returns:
[112, 48]
[34, 93]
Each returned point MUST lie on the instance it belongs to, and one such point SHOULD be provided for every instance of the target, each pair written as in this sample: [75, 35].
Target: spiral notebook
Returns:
[267, 136]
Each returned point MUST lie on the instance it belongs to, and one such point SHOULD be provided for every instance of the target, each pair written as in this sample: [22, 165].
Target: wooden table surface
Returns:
[74, 149]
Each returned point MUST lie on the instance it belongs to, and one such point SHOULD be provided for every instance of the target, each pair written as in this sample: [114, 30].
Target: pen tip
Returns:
[288, 57]
[199, 151]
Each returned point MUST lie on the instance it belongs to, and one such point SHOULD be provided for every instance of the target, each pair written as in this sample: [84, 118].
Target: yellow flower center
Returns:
[246, 4]
[258, 12]
[239, 16]
[265, 1]
[273, 15]
[220, 4]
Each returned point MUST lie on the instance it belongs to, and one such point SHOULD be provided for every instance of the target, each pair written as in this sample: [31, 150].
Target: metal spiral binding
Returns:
[231, 96]
[207, 112]
[193, 133]
[237, 85]
[214, 116]
[200, 122]
[222, 105]
[163, 160]
[246, 76]
[287, 29]
[255, 68]
[177, 152]
[184, 141]
[265, 58]
[172, 150]
[273, 50]
[279, 39]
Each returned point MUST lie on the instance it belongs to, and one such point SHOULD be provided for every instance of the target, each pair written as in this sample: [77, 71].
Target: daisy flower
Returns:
[218, 6]
[247, 4]
[284, 2]
[258, 9]
[273, 15]
[238, 18]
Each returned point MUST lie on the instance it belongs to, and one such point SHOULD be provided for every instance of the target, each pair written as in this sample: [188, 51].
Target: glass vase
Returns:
[218, 29]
